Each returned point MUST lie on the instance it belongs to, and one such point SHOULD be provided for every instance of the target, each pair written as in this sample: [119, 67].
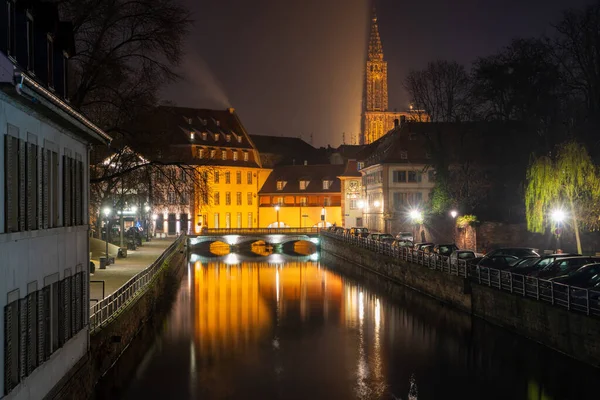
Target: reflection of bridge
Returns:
[273, 236]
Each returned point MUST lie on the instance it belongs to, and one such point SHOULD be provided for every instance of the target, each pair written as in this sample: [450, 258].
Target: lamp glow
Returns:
[376, 203]
[277, 207]
[147, 208]
[558, 215]
[454, 213]
[415, 215]
[361, 204]
[134, 209]
[106, 211]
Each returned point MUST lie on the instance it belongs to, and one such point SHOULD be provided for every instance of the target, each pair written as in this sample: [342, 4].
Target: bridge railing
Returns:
[103, 311]
[258, 231]
[569, 297]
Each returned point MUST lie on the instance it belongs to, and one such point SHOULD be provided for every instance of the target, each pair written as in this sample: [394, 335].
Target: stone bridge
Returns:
[272, 236]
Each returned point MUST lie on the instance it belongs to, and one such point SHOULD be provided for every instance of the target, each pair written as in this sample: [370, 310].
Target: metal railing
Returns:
[103, 311]
[258, 231]
[569, 297]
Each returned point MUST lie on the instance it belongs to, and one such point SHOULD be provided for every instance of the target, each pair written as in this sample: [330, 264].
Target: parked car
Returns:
[421, 246]
[339, 230]
[405, 236]
[518, 252]
[585, 277]
[403, 243]
[565, 266]
[535, 264]
[505, 258]
[381, 237]
[445, 249]
[463, 255]
[359, 232]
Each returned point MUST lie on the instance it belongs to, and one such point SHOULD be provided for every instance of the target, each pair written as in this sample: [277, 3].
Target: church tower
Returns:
[376, 120]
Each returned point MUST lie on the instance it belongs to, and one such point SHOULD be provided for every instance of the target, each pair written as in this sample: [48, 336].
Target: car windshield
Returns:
[526, 262]
[466, 254]
[386, 236]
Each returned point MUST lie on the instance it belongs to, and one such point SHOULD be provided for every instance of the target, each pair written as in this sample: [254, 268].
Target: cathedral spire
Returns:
[375, 47]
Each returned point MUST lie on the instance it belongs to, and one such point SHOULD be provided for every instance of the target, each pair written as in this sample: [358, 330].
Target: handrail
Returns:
[569, 297]
[103, 311]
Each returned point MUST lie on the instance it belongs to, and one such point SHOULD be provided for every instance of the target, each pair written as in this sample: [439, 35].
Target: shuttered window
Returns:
[11, 189]
[46, 189]
[32, 186]
[54, 206]
[22, 185]
[11, 346]
[67, 215]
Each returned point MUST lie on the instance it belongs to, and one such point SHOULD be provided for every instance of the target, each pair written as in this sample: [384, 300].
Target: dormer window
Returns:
[326, 185]
[212, 153]
[30, 39]
[203, 135]
[216, 137]
[200, 153]
[303, 184]
[403, 155]
[280, 185]
[224, 154]
[235, 156]
[228, 138]
[50, 62]
[360, 165]
[245, 156]
[239, 139]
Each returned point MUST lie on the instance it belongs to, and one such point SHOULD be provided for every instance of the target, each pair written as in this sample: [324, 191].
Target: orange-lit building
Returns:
[302, 196]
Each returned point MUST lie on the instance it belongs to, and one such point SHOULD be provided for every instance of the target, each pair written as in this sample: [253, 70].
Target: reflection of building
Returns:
[44, 186]
[396, 178]
[352, 201]
[377, 120]
[301, 196]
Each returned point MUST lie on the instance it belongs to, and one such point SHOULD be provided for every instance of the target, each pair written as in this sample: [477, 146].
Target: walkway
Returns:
[115, 275]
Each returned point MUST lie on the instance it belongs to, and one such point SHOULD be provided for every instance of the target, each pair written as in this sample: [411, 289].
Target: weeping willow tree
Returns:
[567, 180]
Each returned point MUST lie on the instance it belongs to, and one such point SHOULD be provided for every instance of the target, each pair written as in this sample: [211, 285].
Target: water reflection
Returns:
[279, 328]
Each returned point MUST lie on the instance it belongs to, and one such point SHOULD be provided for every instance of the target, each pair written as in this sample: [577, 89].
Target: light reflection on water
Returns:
[275, 328]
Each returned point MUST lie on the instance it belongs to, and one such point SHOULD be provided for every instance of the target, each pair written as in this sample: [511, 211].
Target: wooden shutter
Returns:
[31, 186]
[66, 191]
[41, 327]
[32, 334]
[11, 321]
[22, 339]
[40, 186]
[73, 305]
[47, 324]
[78, 294]
[21, 184]
[45, 188]
[11, 182]
[66, 299]
[62, 323]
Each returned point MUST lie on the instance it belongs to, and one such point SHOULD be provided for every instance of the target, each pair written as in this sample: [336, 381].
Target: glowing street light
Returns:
[453, 213]
[415, 215]
[376, 203]
[361, 204]
[558, 215]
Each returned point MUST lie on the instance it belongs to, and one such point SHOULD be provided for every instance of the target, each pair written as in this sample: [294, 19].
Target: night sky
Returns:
[294, 67]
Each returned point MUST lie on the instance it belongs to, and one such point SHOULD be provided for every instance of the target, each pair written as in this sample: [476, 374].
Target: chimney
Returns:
[403, 119]
[396, 123]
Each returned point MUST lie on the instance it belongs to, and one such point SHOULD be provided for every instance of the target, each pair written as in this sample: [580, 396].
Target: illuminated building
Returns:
[302, 196]
[352, 196]
[377, 120]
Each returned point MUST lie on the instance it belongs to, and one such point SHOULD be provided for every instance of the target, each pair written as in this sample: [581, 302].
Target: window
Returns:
[326, 185]
[185, 199]
[249, 198]
[32, 194]
[216, 137]
[239, 220]
[399, 176]
[326, 202]
[359, 222]
[239, 139]
[227, 220]
[414, 176]
[217, 220]
[217, 198]
[200, 153]
[228, 138]
[30, 39]
[227, 177]
[212, 153]
[278, 200]
[303, 201]
[238, 198]
[250, 220]
[216, 176]
[399, 201]
[249, 177]
[280, 185]
[224, 154]
[245, 155]
[304, 184]
[228, 198]
[353, 204]
[191, 135]
[12, 181]
[235, 156]
[431, 176]
[360, 165]
[50, 62]
[171, 197]
[238, 177]
[403, 155]
[203, 135]
[11, 45]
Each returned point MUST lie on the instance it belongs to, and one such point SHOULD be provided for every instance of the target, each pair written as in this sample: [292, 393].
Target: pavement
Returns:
[115, 275]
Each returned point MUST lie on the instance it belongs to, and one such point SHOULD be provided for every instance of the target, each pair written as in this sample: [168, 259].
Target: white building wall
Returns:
[32, 256]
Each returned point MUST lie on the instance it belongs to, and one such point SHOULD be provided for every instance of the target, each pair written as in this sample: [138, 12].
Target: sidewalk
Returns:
[115, 275]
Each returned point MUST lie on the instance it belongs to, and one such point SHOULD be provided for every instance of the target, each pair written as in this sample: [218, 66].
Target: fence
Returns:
[103, 311]
[569, 297]
[258, 231]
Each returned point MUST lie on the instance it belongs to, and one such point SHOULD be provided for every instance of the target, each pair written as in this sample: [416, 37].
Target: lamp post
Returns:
[323, 216]
[154, 218]
[106, 212]
[147, 209]
[277, 210]
[416, 216]
[558, 216]
[454, 214]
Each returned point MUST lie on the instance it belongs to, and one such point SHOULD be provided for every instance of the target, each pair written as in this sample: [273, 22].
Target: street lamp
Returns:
[323, 216]
[147, 209]
[416, 216]
[154, 218]
[454, 214]
[558, 216]
[106, 212]
[277, 209]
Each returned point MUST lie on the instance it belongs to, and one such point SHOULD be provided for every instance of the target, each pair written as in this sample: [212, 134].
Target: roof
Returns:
[351, 170]
[293, 174]
[284, 150]
[172, 134]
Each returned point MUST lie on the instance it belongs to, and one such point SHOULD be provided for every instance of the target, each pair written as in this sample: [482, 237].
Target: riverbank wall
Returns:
[117, 348]
[566, 331]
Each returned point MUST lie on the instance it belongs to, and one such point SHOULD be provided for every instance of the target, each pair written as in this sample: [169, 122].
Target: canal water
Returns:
[283, 327]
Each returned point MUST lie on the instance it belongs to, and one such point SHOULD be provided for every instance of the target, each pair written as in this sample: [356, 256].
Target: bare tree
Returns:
[441, 90]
